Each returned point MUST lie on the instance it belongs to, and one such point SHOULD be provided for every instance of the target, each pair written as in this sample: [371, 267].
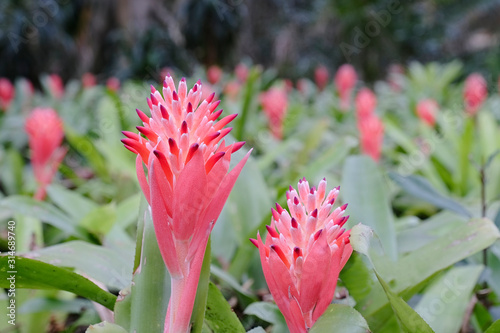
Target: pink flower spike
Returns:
[345, 80]
[366, 101]
[7, 93]
[214, 74]
[56, 86]
[274, 103]
[301, 267]
[427, 110]
[371, 136]
[45, 132]
[321, 76]
[475, 93]
[188, 181]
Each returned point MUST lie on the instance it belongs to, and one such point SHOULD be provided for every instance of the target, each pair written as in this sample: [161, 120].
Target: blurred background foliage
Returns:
[135, 39]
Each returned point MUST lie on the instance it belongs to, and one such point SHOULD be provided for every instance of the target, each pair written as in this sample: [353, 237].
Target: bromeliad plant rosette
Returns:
[187, 183]
[303, 253]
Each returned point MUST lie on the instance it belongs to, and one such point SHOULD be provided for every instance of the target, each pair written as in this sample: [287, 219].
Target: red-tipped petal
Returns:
[254, 242]
[224, 121]
[194, 147]
[237, 146]
[164, 165]
[212, 160]
[173, 147]
[164, 112]
[143, 116]
[272, 232]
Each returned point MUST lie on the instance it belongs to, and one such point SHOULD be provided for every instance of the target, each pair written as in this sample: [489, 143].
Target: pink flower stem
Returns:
[183, 293]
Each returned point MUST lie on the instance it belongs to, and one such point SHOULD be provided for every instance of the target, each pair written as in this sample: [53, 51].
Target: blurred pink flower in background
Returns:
[232, 89]
[113, 84]
[475, 93]
[304, 251]
[321, 77]
[187, 183]
[427, 110]
[7, 93]
[395, 77]
[56, 86]
[241, 72]
[365, 101]
[274, 103]
[302, 85]
[371, 135]
[88, 80]
[45, 132]
[214, 74]
[345, 80]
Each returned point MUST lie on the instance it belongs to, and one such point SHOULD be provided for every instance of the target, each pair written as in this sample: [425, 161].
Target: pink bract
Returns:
[303, 253]
[183, 147]
[45, 132]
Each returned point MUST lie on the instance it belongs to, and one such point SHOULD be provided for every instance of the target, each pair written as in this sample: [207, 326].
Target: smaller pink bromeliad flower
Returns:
[321, 76]
[427, 110]
[303, 253]
[275, 103]
[366, 101]
[345, 80]
[56, 85]
[475, 93]
[45, 131]
[7, 93]
[371, 133]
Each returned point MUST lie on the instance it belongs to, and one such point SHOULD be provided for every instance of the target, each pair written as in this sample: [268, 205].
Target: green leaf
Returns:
[340, 318]
[86, 147]
[72, 203]
[100, 263]
[219, 316]
[407, 317]
[34, 274]
[151, 282]
[444, 303]
[494, 328]
[43, 211]
[364, 189]
[413, 271]
[100, 220]
[105, 327]
[266, 311]
[419, 187]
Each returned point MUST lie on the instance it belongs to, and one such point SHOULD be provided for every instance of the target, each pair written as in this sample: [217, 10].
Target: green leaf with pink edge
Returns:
[340, 318]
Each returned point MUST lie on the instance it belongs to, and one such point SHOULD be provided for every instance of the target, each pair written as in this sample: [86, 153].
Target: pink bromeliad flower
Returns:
[371, 135]
[321, 76]
[187, 183]
[303, 253]
[56, 86]
[475, 93]
[113, 84]
[242, 72]
[45, 132]
[88, 80]
[7, 93]
[345, 80]
[275, 103]
[366, 101]
[427, 110]
[214, 74]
